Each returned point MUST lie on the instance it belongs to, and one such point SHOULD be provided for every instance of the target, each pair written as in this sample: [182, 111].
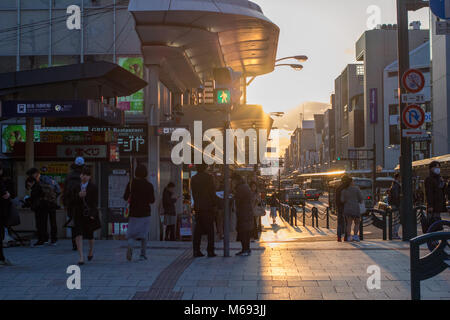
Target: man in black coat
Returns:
[204, 195]
[71, 184]
[394, 201]
[435, 194]
[340, 208]
[244, 213]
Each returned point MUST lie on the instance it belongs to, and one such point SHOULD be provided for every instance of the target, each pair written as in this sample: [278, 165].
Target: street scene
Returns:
[224, 150]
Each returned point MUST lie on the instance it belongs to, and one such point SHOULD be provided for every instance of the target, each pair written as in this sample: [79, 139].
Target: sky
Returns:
[324, 30]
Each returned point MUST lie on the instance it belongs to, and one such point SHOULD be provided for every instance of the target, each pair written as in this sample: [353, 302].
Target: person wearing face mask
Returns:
[435, 194]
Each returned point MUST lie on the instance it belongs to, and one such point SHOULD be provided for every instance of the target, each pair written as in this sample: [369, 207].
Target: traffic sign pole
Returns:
[406, 208]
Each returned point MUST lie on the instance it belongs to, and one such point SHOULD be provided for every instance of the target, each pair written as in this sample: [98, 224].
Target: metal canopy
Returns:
[205, 34]
[90, 80]
[242, 117]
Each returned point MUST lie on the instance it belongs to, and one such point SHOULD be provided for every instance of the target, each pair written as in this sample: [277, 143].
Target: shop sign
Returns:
[131, 140]
[53, 109]
[86, 151]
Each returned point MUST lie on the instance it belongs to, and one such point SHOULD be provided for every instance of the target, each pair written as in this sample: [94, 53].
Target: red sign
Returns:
[413, 80]
[413, 116]
[86, 151]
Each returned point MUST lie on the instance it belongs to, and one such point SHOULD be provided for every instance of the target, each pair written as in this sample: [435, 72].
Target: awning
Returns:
[214, 117]
[196, 36]
[90, 80]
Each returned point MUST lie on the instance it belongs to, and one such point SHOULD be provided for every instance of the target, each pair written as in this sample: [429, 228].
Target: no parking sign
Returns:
[413, 116]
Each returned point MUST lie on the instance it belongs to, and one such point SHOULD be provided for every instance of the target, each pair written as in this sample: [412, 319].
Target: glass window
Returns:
[394, 135]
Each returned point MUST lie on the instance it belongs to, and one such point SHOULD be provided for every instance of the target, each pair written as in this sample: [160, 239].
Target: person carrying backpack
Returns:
[46, 192]
[70, 196]
[394, 202]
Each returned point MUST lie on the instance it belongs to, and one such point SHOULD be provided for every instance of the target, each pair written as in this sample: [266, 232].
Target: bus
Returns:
[421, 172]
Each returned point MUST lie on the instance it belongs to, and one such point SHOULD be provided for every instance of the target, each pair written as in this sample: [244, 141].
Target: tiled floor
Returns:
[282, 266]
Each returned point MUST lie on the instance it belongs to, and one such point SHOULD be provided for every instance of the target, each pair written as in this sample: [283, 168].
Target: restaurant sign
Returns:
[86, 151]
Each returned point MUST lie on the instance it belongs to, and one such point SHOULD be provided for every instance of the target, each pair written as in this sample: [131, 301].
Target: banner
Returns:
[135, 102]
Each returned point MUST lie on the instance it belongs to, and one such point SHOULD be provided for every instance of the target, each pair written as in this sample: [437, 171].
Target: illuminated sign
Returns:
[222, 96]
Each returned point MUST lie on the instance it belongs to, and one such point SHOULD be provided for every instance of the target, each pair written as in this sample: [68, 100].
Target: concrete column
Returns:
[29, 144]
[152, 110]
[177, 177]
[186, 98]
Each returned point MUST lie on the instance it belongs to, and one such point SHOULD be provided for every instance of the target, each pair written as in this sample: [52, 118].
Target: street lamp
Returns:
[298, 58]
[296, 67]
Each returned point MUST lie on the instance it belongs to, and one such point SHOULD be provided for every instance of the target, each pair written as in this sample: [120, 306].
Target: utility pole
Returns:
[226, 191]
[409, 222]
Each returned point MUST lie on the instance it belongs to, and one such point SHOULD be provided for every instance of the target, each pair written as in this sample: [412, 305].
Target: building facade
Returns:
[419, 59]
[377, 48]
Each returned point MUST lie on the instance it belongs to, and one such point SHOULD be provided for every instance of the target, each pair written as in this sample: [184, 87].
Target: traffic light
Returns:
[338, 158]
[227, 86]
[222, 96]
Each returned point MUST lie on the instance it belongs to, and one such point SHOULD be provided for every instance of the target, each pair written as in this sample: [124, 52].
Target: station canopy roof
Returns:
[213, 117]
[189, 38]
[90, 80]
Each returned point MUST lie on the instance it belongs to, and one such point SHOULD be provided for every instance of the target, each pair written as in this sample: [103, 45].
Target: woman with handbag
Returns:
[86, 215]
[140, 194]
[258, 209]
[352, 199]
[4, 207]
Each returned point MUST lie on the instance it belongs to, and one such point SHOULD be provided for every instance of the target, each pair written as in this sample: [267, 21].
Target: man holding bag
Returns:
[4, 210]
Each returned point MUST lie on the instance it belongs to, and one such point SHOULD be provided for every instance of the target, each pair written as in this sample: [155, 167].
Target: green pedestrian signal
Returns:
[223, 96]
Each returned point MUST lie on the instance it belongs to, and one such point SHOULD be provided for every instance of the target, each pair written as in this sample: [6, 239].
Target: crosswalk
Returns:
[282, 231]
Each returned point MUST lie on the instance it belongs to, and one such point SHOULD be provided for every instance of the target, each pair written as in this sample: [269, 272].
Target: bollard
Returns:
[291, 216]
[361, 229]
[304, 213]
[295, 216]
[390, 212]
[328, 217]
[315, 214]
[384, 226]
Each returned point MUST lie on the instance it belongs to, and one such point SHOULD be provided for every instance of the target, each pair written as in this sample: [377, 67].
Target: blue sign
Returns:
[441, 8]
[373, 106]
[49, 109]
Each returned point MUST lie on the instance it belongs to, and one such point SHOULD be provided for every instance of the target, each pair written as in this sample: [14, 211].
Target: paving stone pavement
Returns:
[276, 270]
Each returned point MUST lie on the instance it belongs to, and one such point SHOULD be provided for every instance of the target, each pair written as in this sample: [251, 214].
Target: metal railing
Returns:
[432, 264]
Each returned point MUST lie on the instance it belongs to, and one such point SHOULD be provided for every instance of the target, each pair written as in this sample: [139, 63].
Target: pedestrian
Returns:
[352, 198]
[85, 215]
[4, 207]
[257, 207]
[341, 228]
[170, 216]
[219, 212]
[244, 213]
[435, 190]
[140, 194]
[49, 202]
[273, 203]
[394, 201]
[204, 195]
[38, 206]
[70, 197]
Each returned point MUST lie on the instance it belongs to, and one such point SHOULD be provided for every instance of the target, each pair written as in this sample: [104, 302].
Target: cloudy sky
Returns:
[325, 31]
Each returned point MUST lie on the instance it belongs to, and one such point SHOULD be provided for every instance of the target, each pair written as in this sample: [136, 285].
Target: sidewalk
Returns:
[288, 264]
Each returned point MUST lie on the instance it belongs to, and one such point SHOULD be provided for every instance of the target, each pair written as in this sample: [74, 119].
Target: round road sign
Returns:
[413, 116]
[413, 80]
